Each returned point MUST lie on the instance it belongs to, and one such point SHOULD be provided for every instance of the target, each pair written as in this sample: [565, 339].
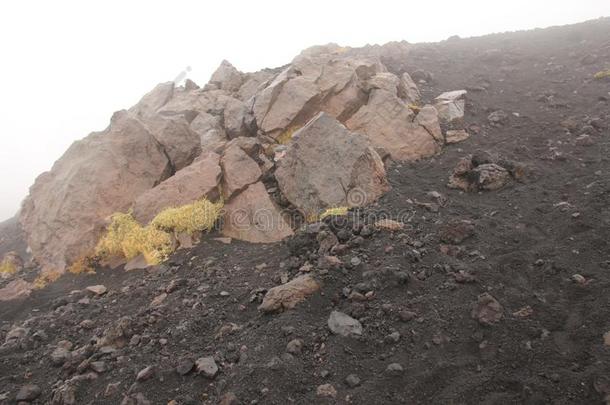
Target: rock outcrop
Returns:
[326, 165]
[63, 216]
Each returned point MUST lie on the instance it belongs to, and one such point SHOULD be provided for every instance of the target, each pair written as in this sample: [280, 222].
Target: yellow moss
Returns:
[286, 136]
[126, 238]
[85, 264]
[335, 212]
[45, 278]
[414, 107]
[7, 267]
[602, 75]
[197, 217]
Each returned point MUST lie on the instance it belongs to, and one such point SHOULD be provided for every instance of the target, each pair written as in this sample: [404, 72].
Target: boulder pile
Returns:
[311, 136]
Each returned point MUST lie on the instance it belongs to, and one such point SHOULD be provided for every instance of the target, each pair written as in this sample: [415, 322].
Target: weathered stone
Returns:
[450, 105]
[344, 325]
[391, 126]
[154, 100]
[227, 77]
[487, 310]
[28, 393]
[239, 170]
[287, 296]
[389, 225]
[326, 391]
[207, 366]
[16, 289]
[455, 232]
[97, 289]
[455, 136]
[145, 374]
[104, 172]
[252, 216]
[312, 178]
[200, 179]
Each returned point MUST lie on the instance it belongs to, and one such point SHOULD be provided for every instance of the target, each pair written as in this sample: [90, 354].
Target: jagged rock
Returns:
[200, 179]
[252, 216]
[319, 79]
[498, 118]
[104, 172]
[407, 89]
[97, 289]
[287, 296]
[391, 126]
[152, 101]
[450, 105]
[16, 289]
[312, 178]
[181, 144]
[344, 325]
[212, 135]
[226, 77]
[239, 170]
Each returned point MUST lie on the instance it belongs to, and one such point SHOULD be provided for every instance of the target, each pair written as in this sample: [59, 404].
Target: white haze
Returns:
[66, 66]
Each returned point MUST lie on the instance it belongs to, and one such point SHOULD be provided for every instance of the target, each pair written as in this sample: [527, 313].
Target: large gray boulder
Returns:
[326, 165]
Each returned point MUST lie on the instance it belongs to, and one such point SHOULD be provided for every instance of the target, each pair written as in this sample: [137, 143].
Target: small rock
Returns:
[326, 391]
[112, 389]
[98, 366]
[579, 279]
[456, 232]
[158, 300]
[487, 310]
[228, 399]
[344, 325]
[295, 346]
[388, 225]
[497, 118]
[393, 337]
[28, 393]
[394, 369]
[406, 316]
[207, 366]
[352, 380]
[145, 373]
[455, 136]
[185, 366]
[607, 338]
[97, 289]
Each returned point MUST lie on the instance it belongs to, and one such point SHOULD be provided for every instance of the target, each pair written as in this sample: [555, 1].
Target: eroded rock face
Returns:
[450, 105]
[200, 179]
[252, 216]
[104, 173]
[16, 289]
[326, 165]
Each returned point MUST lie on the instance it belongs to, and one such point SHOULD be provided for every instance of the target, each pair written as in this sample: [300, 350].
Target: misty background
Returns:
[68, 65]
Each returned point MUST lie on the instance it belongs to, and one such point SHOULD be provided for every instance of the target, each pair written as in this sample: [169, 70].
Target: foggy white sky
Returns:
[66, 66]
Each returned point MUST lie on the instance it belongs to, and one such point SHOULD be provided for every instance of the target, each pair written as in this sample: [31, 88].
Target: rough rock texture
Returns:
[328, 166]
[450, 105]
[252, 216]
[393, 127]
[239, 170]
[18, 288]
[104, 172]
[200, 179]
[287, 296]
[226, 77]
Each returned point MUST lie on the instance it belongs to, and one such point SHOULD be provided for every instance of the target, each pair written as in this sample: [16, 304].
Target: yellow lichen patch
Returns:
[602, 75]
[197, 217]
[7, 268]
[335, 212]
[286, 136]
[45, 278]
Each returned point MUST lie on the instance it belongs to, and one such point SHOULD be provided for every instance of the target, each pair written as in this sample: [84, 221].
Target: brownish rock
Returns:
[200, 179]
[328, 166]
[252, 216]
[16, 289]
[226, 77]
[487, 310]
[287, 296]
[65, 212]
[239, 170]
[455, 232]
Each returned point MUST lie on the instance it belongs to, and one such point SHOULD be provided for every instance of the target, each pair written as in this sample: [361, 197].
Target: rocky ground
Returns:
[481, 297]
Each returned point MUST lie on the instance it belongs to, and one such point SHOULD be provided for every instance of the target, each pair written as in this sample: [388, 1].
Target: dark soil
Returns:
[530, 239]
